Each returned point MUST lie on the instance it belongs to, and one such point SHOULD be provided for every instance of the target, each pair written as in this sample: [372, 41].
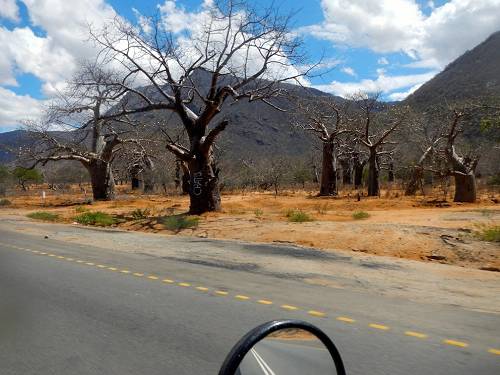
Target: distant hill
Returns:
[474, 74]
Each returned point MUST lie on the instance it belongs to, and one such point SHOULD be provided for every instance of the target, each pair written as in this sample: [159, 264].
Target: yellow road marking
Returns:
[100, 265]
[35, 251]
[42, 253]
[90, 264]
[168, 281]
[289, 307]
[264, 302]
[416, 334]
[184, 284]
[153, 277]
[70, 259]
[138, 274]
[112, 268]
[78, 261]
[378, 326]
[316, 313]
[221, 292]
[456, 343]
[241, 297]
[52, 255]
[494, 351]
[345, 319]
[202, 288]
[60, 257]
[125, 271]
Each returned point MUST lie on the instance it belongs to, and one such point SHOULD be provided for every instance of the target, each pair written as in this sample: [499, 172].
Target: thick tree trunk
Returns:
[204, 191]
[186, 179]
[373, 175]
[328, 184]
[390, 177]
[465, 187]
[358, 167]
[101, 178]
[346, 172]
[415, 182]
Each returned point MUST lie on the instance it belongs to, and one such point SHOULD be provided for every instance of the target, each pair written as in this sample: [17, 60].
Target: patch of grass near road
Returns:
[97, 218]
[176, 223]
[298, 216]
[43, 215]
[139, 214]
[359, 215]
[5, 202]
[488, 233]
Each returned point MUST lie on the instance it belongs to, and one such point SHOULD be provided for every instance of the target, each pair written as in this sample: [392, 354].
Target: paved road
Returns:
[69, 309]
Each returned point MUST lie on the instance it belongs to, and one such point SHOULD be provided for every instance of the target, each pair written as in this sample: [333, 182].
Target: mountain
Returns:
[474, 74]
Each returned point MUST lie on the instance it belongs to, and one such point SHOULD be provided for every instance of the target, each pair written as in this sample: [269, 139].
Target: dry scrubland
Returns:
[418, 228]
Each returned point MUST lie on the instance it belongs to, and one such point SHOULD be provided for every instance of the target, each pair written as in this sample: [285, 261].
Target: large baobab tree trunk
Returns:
[465, 187]
[373, 175]
[328, 184]
[415, 182]
[358, 167]
[101, 178]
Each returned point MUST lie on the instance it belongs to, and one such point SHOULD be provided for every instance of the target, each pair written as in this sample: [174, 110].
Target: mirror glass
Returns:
[288, 351]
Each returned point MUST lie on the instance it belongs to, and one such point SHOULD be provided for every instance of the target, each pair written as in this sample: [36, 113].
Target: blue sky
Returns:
[392, 46]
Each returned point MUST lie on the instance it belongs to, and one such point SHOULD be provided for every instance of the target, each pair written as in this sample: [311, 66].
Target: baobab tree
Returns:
[73, 128]
[231, 53]
[327, 119]
[375, 123]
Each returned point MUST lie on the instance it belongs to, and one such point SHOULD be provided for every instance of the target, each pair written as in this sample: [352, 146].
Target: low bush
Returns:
[359, 215]
[80, 209]
[258, 213]
[488, 233]
[97, 218]
[298, 216]
[5, 202]
[176, 223]
[43, 215]
[139, 214]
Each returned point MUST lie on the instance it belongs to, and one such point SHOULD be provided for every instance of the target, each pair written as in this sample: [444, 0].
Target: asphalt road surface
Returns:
[73, 309]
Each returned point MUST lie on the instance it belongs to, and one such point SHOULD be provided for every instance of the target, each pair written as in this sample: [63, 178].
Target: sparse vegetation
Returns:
[141, 213]
[176, 223]
[489, 233]
[359, 215]
[97, 218]
[298, 216]
[43, 215]
[5, 202]
[81, 209]
[258, 213]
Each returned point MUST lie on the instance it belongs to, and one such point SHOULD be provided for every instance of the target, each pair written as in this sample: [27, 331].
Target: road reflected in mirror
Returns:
[288, 351]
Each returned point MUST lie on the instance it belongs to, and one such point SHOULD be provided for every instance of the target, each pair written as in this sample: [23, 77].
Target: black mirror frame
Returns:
[243, 346]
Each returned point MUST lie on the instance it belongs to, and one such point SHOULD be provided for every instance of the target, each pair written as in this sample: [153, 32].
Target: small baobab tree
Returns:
[231, 53]
[325, 118]
[374, 124]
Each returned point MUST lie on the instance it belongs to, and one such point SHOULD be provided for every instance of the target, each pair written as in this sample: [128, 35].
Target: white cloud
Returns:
[383, 83]
[401, 95]
[349, 71]
[387, 26]
[15, 108]
[9, 10]
[383, 61]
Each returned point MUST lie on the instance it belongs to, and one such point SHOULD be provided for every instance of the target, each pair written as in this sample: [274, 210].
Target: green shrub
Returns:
[489, 233]
[358, 215]
[43, 215]
[81, 209]
[177, 223]
[139, 214]
[258, 212]
[98, 218]
[298, 216]
[5, 202]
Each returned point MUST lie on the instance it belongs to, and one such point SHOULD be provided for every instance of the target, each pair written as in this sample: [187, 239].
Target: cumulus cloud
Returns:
[383, 61]
[15, 108]
[387, 26]
[9, 10]
[349, 71]
[383, 83]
